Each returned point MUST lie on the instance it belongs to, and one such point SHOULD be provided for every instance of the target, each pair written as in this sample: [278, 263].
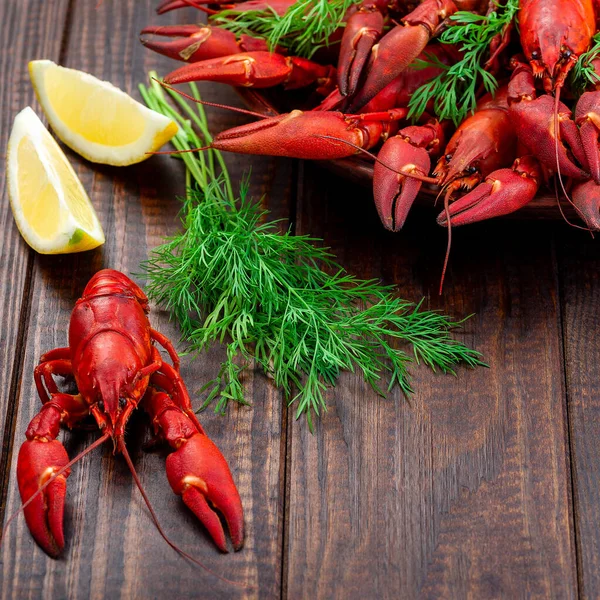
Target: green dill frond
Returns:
[454, 91]
[584, 74]
[304, 28]
[279, 301]
[257, 23]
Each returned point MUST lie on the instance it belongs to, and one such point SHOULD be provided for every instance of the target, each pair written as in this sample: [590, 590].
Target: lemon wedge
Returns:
[50, 206]
[96, 119]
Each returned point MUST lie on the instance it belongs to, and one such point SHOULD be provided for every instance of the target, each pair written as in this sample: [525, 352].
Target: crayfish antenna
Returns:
[381, 162]
[449, 243]
[242, 111]
[556, 140]
[50, 479]
[158, 526]
[181, 151]
[414, 176]
[562, 212]
[204, 9]
[560, 179]
[205, 103]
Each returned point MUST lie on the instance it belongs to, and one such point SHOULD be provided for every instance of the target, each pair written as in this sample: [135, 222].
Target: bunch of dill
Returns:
[305, 27]
[277, 299]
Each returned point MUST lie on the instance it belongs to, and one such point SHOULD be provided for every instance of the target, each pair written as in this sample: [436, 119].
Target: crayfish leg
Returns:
[44, 381]
[167, 344]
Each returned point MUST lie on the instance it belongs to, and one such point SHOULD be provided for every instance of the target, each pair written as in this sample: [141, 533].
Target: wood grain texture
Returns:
[464, 491]
[23, 39]
[579, 265]
[113, 550]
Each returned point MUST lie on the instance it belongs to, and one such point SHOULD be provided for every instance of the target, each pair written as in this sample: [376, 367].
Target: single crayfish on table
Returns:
[533, 101]
[117, 367]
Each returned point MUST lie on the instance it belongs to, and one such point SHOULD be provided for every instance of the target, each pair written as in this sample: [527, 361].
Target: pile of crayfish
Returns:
[518, 139]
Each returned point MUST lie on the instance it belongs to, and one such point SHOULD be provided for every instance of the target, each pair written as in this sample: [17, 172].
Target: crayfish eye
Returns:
[566, 54]
[122, 403]
[448, 157]
[101, 405]
[535, 55]
[470, 170]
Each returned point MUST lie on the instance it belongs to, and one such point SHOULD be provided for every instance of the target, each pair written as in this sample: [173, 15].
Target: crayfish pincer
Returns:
[116, 365]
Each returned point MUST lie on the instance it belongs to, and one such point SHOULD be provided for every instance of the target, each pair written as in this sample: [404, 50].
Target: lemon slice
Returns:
[50, 206]
[95, 118]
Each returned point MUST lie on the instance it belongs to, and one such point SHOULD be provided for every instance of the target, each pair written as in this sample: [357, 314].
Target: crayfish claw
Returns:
[192, 43]
[503, 191]
[169, 5]
[534, 123]
[199, 473]
[402, 164]
[394, 53]
[394, 193]
[196, 470]
[195, 500]
[587, 117]
[250, 69]
[361, 33]
[257, 69]
[38, 461]
[586, 198]
[398, 48]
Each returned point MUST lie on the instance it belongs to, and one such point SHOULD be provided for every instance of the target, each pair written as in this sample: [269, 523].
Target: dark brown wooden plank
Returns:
[23, 39]
[113, 550]
[464, 491]
[579, 265]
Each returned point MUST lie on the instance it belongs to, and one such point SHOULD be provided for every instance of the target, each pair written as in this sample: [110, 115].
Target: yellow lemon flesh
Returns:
[50, 206]
[96, 119]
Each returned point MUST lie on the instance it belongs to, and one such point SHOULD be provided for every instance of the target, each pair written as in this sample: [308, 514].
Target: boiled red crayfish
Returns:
[116, 366]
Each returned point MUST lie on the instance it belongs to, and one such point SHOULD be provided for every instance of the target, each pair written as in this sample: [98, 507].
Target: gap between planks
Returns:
[576, 546]
[8, 436]
[286, 420]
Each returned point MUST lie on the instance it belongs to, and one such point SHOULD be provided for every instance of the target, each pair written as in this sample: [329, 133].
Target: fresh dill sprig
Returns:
[584, 73]
[278, 300]
[454, 91]
[304, 28]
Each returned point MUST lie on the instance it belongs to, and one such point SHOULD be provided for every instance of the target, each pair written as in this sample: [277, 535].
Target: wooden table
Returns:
[482, 486]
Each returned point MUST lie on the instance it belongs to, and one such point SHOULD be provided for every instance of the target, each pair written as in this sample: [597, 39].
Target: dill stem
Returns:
[201, 122]
[155, 100]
